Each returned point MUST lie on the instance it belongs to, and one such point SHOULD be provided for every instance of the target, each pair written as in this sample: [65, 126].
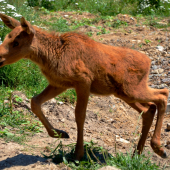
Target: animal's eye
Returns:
[15, 44]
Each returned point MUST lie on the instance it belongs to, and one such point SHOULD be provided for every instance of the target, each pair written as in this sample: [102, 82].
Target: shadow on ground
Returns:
[21, 160]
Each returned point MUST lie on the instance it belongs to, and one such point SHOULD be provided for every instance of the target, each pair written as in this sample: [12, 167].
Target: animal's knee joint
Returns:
[34, 104]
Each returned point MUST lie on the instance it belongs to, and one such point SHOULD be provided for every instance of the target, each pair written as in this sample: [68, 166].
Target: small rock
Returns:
[154, 67]
[165, 62]
[108, 168]
[155, 71]
[6, 101]
[60, 103]
[62, 120]
[150, 76]
[119, 139]
[160, 70]
[168, 145]
[168, 126]
[66, 16]
[166, 80]
[138, 41]
[162, 86]
[153, 62]
[160, 48]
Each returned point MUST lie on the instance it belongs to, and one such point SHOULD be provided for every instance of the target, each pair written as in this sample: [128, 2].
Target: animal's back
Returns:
[107, 69]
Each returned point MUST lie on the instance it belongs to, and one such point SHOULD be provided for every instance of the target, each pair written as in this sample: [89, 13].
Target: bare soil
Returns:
[106, 116]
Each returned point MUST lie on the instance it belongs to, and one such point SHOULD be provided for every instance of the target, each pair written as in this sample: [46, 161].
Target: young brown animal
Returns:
[73, 60]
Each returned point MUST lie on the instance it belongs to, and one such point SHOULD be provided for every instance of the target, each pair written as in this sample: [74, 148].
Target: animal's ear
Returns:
[27, 26]
[9, 22]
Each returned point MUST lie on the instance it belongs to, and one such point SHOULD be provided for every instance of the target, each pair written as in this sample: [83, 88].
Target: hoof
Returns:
[65, 135]
[59, 134]
[164, 155]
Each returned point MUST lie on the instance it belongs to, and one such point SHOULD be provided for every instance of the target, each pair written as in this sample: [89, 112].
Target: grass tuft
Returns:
[96, 157]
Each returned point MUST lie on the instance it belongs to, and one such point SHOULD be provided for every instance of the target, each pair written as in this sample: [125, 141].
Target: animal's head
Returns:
[17, 44]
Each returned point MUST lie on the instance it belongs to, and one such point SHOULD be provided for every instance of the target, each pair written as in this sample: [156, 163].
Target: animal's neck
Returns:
[47, 49]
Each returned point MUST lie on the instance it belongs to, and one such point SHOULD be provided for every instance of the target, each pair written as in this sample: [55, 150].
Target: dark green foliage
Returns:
[50, 5]
[33, 2]
[152, 3]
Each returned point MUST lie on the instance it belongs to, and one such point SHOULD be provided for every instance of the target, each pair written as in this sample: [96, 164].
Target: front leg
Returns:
[80, 114]
[36, 102]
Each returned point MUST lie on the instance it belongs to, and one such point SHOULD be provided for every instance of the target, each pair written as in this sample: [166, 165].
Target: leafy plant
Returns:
[15, 124]
[147, 41]
[68, 96]
[117, 23]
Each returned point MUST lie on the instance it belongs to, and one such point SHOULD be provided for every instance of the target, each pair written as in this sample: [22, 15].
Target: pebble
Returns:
[165, 62]
[153, 63]
[155, 71]
[66, 16]
[154, 67]
[60, 102]
[160, 48]
[109, 168]
[162, 86]
[151, 76]
[168, 126]
[118, 138]
[160, 70]
[166, 80]
[168, 145]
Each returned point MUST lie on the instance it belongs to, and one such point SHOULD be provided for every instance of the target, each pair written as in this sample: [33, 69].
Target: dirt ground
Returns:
[106, 116]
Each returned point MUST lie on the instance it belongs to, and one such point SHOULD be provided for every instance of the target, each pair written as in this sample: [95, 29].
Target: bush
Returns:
[48, 4]
[23, 75]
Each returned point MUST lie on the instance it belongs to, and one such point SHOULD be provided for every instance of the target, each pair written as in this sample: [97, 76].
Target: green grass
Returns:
[96, 157]
[15, 125]
[107, 7]
[23, 76]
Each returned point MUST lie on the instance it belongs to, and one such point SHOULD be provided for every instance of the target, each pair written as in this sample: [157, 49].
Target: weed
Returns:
[96, 157]
[68, 96]
[140, 45]
[18, 99]
[90, 34]
[117, 23]
[147, 41]
[15, 125]
[110, 110]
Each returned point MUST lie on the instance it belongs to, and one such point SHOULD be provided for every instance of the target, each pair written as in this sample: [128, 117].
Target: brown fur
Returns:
[73, 60]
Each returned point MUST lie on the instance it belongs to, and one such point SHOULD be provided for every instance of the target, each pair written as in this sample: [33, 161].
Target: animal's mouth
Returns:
[1, 61]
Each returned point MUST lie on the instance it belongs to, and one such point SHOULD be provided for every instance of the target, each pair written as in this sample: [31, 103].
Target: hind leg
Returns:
[142, 94]
[161, 106]
[148, 110]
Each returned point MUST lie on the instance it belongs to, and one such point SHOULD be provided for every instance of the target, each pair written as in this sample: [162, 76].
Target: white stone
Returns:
[160, 48]
[119, 139]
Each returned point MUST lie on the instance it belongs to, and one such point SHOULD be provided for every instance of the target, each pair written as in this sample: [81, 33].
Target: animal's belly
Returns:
[101, 88]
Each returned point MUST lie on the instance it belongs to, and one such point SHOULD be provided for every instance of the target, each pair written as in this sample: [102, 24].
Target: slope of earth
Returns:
[106, 116]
